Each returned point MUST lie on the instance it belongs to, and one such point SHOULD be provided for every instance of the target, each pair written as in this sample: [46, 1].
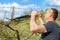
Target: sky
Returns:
[24, 5]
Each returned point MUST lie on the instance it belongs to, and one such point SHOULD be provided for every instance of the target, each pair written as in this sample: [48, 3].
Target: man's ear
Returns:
[51, 15]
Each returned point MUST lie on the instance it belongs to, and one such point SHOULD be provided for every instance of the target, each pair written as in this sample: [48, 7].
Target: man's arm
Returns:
[34, 27]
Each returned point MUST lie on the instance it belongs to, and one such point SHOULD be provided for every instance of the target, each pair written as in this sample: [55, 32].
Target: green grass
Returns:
[23, 27]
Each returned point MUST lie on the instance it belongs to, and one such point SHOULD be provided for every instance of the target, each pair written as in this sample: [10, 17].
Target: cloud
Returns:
[7, 7]
[1, 15]
[18, 8]
[53, 2]
[15, 5]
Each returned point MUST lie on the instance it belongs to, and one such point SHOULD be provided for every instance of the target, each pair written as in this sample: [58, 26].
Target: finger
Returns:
[39, 14]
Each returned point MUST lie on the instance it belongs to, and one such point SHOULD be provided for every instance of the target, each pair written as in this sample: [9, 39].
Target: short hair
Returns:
[55, 12]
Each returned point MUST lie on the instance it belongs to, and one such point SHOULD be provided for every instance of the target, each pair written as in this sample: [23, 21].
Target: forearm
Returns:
[41, 21]
[33, 24]
[34, 27]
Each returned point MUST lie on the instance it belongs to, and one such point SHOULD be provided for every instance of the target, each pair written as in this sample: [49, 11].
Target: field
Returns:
[22, 25]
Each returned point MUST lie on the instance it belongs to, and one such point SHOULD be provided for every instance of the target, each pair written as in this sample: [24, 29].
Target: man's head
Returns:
[51, 14]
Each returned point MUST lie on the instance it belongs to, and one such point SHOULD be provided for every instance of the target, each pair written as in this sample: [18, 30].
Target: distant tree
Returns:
[12, 15]
[27, 12]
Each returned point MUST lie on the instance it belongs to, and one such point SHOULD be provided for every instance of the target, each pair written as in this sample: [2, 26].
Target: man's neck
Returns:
[49, 20]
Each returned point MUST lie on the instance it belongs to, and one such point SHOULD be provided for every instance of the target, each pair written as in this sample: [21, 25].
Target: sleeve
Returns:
[49, 26]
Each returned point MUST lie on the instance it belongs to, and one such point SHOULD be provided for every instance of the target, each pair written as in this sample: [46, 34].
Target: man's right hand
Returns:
[35, 13]
[39, 14]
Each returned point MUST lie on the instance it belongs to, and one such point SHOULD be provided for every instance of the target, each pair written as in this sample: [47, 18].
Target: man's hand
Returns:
[35, 13]
[34, 27]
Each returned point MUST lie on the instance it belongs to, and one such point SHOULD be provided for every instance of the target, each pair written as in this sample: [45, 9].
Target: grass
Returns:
[23, 27]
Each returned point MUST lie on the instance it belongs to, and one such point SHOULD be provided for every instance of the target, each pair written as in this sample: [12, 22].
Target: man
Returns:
[48, 30]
